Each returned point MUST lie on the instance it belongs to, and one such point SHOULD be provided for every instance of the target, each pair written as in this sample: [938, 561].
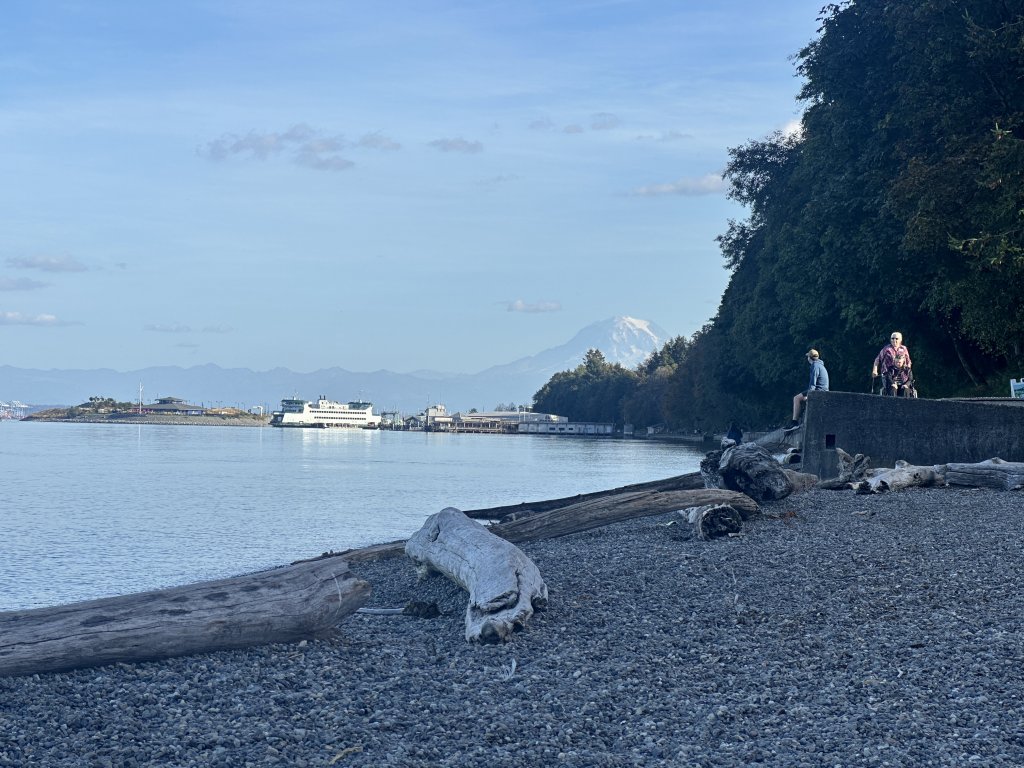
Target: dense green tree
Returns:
[593, 391]
[648, 402]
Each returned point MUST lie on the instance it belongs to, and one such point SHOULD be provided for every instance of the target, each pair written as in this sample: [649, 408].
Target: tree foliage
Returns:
[593, 391]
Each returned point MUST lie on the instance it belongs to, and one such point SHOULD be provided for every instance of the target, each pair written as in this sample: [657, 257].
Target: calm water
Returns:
[91, 510]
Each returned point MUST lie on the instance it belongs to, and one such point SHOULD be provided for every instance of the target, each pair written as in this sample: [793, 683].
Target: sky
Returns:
[401, 185]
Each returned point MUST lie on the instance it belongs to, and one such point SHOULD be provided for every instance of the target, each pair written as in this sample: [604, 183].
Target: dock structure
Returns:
[479, 426]
[519, 422]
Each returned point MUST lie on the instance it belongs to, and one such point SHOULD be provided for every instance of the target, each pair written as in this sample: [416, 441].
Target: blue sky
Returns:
[400, 185]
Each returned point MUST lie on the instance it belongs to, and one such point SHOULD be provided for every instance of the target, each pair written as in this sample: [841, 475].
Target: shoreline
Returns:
[836, 629]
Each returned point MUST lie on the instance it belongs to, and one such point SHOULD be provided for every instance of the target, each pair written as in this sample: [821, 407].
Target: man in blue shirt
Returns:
[819, 380]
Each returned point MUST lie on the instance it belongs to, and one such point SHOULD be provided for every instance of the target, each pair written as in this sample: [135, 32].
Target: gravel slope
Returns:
[844, 630]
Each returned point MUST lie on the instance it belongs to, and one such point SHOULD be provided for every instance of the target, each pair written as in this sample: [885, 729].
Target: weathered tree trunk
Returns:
[709, 470]
[504, 514]
[852, 469]
[504, 585]
[281, 605]
[904, 475]
[613, 509]
[752, 470]
[800, 481]
[713, 521]
[993, 473]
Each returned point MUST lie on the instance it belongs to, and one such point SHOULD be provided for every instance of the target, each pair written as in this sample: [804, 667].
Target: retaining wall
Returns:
[918, 430]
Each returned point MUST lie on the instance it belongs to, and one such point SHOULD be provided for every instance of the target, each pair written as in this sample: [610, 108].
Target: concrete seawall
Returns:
[918, 430]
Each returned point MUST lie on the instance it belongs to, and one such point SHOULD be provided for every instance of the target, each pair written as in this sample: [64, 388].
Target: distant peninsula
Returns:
[101, 410]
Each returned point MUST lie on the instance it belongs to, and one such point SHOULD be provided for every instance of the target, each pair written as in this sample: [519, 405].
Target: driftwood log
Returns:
[286, 604]
[993, 473]
[689, 481]
[614, 509]
[752, 470]
[852, 469]
[801, 481]
[504, 585]
[712, 521]
[903, 475]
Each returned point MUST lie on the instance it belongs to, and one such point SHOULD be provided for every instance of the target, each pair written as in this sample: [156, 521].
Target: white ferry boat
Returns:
[325, 413]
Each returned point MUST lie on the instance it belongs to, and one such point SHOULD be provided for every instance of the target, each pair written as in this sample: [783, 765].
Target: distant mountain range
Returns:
[622, 340]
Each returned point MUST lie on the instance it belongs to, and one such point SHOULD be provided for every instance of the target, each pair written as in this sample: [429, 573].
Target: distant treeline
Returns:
[898, 205]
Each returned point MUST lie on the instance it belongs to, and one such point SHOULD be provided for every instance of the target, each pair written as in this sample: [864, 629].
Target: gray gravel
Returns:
[843, 630]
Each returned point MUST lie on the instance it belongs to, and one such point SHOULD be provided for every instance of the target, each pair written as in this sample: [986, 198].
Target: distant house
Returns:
[173, 406]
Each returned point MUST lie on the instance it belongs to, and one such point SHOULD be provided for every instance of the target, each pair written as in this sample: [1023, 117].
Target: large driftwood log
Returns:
[286, 604]
[689, 481]
[564, 521]
[993, 473]
[903, 475]
[504, 585]
[614, 509]
[752, 470]
[713, 521]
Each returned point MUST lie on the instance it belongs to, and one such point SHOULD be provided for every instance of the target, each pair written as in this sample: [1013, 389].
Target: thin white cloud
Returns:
[17, 318]
[710, 184]
[320, 162]
[519, 305]
[377, 140]
[182, 328]
[458, 144]
[573, 128]
[20, 284]
[604, 121]
[664, 137]
[306, 146]
[173, 328]
[544, 124]
[493, 181]
[794, 128]
[47, 263]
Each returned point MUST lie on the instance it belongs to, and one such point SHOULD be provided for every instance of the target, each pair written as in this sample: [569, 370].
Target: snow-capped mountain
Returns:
[623, 340]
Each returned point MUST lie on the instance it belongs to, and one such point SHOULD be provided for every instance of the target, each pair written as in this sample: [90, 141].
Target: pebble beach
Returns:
[836, 630]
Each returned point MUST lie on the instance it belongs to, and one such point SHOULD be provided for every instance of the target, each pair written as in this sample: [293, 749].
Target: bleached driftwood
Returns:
[993, 473]
[528, 522]
[614, 509]
[852, 469]
[752, 470]
[504, 585]
[286, 604]
[904, 475]
[689, 481]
